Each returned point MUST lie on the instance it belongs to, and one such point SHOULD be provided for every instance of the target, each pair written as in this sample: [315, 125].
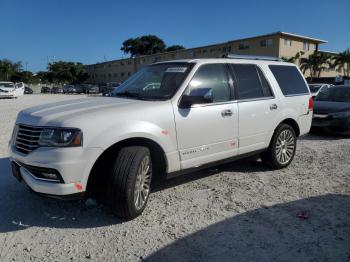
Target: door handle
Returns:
[273, 107]
[226, 113]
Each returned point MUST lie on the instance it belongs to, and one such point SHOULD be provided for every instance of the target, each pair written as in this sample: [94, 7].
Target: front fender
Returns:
[164, 136]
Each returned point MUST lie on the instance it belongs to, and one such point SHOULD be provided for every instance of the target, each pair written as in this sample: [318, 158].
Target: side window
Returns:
[248, 84]
[289, 79]
[213, 76]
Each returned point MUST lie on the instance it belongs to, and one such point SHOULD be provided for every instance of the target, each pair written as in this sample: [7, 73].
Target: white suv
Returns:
[167, 119]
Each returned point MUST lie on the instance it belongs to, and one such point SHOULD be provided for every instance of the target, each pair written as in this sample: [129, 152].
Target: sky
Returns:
[87, 31]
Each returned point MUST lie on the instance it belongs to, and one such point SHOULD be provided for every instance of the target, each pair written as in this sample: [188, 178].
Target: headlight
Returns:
[61, 137]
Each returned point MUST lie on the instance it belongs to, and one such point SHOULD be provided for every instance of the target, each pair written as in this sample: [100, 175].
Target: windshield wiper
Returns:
[129, 94]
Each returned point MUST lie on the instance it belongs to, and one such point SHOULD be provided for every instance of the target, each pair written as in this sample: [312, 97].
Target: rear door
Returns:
[257, 107]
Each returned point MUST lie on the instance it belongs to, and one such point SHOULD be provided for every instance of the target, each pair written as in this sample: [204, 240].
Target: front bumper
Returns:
[72, 164]
[6, 95]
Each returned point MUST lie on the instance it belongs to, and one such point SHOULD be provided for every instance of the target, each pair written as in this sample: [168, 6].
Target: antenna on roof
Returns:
[251, 57]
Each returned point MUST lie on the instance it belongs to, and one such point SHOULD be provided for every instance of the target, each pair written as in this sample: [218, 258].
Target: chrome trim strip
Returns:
[33, 176]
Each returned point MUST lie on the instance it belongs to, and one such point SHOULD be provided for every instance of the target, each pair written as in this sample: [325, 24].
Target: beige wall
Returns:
[119, 70]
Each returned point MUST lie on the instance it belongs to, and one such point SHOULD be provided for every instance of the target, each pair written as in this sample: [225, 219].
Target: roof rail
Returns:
[251, 57]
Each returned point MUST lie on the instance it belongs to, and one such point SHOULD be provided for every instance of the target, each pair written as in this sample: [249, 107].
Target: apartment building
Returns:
[278, 44]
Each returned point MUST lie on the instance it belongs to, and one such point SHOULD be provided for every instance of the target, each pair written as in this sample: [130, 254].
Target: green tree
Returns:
[144, 45]
[8, 69]
[174, 48]
[44, 77]
[342, 60]
[22, 76]
[66, 72]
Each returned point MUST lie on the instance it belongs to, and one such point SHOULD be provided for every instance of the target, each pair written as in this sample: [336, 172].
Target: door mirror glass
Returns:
[197, 96]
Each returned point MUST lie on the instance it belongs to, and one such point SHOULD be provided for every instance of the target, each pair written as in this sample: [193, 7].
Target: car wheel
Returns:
[282, 148]
[130, 180]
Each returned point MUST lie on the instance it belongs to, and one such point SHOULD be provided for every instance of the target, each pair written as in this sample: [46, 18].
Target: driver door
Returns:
[208, 132]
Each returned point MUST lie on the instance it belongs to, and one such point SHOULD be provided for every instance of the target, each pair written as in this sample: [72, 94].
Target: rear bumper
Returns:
[333, 125]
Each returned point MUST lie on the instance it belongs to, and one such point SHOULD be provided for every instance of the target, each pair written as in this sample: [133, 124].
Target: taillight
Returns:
[311, 103]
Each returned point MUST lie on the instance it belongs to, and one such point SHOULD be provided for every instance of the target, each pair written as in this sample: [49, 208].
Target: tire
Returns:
[132, 170]
[281, 150]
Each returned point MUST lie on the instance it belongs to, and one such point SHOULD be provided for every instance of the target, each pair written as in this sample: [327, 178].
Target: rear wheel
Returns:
[130, 181]
[282, 147]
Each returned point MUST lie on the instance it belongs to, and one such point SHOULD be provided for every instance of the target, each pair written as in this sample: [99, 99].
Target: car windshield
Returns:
[334, 94]
[314, 88]
[7, 85]
[155, 82]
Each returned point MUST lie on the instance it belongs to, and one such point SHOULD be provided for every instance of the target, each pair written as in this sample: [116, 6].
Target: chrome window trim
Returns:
[301, 94]
[213, 104]
[256, 99]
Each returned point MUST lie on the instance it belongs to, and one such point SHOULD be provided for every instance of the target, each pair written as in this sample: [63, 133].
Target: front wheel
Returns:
[130, 181]
[282, 147]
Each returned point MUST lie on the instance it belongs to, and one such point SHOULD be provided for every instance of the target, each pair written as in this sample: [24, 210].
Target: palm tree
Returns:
[293, 59]
[316, 63]
[342, 60]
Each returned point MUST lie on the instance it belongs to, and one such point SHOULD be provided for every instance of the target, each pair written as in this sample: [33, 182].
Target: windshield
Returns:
[314, 88]
[334, 94]
[155, 82]
[7, 85]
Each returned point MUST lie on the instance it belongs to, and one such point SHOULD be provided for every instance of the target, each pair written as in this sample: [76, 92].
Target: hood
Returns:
[326, 107]
[60, 112]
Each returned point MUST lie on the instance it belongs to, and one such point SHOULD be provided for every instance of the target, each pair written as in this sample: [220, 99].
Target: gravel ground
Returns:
[237, 212]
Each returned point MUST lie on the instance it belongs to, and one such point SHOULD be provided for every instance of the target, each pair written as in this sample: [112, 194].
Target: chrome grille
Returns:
[27, 138]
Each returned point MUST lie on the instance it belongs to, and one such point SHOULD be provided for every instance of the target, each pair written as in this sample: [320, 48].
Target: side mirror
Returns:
[197, 96]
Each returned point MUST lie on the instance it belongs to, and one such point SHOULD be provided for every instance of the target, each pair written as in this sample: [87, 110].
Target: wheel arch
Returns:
[294, 124]
[100, 171]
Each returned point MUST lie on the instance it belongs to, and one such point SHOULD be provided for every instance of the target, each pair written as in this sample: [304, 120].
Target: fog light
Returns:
[50, 175]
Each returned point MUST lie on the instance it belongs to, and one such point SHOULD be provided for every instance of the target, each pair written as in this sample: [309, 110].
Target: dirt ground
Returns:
[236, 212]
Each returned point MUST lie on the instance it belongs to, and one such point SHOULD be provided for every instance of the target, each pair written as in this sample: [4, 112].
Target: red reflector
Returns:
[311, 103]
[78, 186]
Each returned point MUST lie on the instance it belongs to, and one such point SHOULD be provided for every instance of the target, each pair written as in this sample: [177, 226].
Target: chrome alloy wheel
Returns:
[143, 182]
[285, 146]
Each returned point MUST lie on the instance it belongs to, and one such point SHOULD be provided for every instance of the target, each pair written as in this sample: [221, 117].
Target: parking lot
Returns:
[241, 211]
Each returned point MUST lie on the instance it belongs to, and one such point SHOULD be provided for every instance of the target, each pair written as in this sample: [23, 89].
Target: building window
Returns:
[129, 73]
[266, 42]
[121, 63]
[204, 51]
[122, 74]
[109, 75]
[287, 42]
[226, 49]
[212, 50]
[243, 45]
[306, 46]
[129, 62]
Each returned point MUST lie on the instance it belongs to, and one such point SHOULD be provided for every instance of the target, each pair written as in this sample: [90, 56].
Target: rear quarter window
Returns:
[289, 79]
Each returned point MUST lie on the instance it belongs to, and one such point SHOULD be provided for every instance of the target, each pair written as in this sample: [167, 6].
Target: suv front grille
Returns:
[27, 138]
